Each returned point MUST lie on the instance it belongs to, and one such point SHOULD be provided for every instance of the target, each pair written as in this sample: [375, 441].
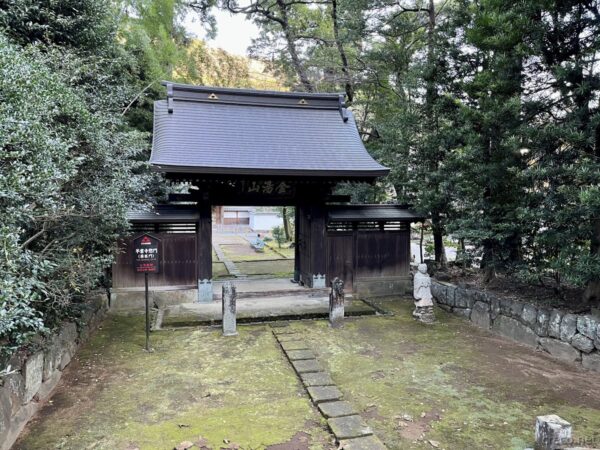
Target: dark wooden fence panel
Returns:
[340, 258]
[178, 263]
[355, 255]
[382, 253]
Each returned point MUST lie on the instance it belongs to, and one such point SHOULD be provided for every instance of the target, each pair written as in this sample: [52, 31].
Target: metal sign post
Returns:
[147, 260]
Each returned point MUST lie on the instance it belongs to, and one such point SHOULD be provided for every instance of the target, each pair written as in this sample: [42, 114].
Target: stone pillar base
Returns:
[318, 281]
[205, 291]
[552, 432]
[424, 314]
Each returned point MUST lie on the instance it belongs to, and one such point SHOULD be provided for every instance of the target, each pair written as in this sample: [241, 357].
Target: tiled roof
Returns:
[246, 132]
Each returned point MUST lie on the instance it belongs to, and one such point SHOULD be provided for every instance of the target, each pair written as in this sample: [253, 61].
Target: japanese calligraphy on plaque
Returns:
[268, 187]
[146, 254]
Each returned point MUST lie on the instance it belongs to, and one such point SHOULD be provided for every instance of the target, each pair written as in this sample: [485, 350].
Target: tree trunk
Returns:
[340, 46]
[286, 224]
[292, 49]
[439, 248]
[488, 265]
[591, 294]
[430, 99]
[421, 243]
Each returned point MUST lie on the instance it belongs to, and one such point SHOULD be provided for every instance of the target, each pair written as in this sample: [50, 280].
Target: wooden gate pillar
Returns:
[297, 244]
[311, 250]
[318, 223]
[204, 253]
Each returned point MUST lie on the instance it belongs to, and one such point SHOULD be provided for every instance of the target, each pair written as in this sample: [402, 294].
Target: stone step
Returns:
[349, 427]
[321, 394]
[306, 292]
[338, 408]
[363, 443]
[316, 379]
[258, 310]
[306, 366]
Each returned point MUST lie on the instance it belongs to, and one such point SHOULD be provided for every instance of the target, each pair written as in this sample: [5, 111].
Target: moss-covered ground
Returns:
[278, 268]
[449, 384]
[220, 271]
[458, 386]
[195, 386]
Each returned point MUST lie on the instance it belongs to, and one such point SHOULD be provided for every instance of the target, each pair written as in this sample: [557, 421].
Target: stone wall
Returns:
[574, 338]
[32, 377]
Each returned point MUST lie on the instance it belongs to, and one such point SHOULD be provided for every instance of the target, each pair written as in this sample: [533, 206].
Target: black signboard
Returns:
[147, 254]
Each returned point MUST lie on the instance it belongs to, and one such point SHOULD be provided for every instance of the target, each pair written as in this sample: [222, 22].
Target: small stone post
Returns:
[229, 297]
[336, 303]
[552, 432]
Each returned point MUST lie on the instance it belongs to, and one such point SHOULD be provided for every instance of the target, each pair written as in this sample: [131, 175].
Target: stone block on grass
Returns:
[48, 385]
[587, 326]
[297, 355]
[552, 432]
[320, 394]
[33, 373]
[515, 330]
[294, 345]
[591, 361]
[554, 324]
[568, 327]
[529, 315]
[494, 306]
[516, 309]
[336, 409]
[462, 312]
[316, 379]
[349, 427]
[362, 443]
[542, 322]
[5, 410]
[505, 306]
[306, 366]
[580, 342]
[450, 295]
[560, 350]
[480, 315]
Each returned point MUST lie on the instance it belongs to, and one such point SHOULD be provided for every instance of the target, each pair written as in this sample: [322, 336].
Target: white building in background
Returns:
[253, 219]
[265, 220]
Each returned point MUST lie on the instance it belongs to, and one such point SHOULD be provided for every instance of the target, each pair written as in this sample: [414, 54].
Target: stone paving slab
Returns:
[316, 379]
[297, 355]
[363, 443]
[349, 427]
[320, 394]
[294, 345]
[336, 409]
[286, 337]
[307, 365]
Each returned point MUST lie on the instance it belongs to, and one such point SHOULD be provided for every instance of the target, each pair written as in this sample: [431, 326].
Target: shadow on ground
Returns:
[417, 386]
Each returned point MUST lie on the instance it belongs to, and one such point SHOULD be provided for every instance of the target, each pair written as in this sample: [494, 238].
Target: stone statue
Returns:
[422, 294]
